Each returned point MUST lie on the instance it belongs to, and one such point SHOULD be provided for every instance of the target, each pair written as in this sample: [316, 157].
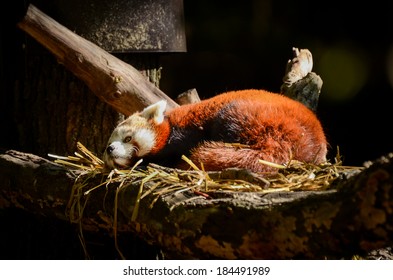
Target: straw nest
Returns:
[295, 176]
[158, 180]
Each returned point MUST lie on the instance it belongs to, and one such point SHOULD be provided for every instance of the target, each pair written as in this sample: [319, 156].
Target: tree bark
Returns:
[354, 217]
[112, 80]
[53, 109]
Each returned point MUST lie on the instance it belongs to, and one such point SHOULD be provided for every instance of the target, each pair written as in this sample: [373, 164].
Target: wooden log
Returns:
[188, 97]
[112, 80]
[354, 217]
[299, 82]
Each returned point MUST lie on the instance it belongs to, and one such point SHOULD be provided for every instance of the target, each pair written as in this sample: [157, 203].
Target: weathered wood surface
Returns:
[188, 97]
[299, 82]
[111, 79]
[354, 217]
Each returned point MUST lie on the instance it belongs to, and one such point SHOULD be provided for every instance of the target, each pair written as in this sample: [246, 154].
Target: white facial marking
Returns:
[145, 140]
[119, 150]
[121, 153]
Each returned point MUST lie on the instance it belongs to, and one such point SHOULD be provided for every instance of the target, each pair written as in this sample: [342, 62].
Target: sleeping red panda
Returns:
[268, 126]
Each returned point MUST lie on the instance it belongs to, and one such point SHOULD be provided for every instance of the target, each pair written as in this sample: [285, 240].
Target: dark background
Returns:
[238, 45]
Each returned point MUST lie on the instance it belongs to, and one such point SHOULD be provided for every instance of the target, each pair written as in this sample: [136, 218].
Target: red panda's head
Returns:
[135, 137]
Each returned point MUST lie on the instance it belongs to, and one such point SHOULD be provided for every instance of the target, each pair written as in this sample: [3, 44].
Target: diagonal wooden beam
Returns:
[111, 79]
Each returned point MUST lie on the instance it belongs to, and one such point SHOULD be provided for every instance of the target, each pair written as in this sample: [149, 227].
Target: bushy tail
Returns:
[219, 155]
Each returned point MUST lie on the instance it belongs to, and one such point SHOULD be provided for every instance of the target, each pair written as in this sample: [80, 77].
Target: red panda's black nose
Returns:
[109, 149]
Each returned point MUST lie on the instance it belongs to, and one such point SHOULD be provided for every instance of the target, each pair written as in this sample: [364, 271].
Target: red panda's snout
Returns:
[126, 145]
[119, 155]
[133, 138]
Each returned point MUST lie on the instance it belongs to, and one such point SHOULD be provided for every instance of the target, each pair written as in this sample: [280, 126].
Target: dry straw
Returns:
[294, 176]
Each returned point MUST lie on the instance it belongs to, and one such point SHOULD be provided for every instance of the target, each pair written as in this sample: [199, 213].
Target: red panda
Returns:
[268, 126]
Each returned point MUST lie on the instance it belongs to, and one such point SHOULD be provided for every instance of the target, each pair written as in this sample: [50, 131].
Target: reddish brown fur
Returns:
[274, 127]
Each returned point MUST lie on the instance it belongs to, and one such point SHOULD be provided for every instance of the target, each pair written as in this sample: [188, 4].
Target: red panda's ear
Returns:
[155, 112]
